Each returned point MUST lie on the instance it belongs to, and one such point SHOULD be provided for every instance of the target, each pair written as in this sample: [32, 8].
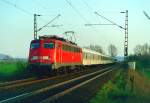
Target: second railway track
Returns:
[54, 90]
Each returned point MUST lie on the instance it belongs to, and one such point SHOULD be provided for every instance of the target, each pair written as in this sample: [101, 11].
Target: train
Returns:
[50, 54]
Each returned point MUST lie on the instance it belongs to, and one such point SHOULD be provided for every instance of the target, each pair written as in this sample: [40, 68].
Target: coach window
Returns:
[49, 45]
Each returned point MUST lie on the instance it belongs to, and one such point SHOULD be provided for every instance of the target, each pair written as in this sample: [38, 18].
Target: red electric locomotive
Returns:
[52, 53]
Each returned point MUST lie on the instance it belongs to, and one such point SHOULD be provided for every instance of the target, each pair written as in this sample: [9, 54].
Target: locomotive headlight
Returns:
[34, 58]
[40, 57]
[46, 57]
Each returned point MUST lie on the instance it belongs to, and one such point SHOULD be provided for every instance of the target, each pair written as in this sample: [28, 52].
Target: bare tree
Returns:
[97, 48]
[138, 50]
[142, 49]
[146, 49]
[112, 50]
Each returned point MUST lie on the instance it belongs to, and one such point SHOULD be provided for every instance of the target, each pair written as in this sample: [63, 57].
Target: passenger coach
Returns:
[91, 57]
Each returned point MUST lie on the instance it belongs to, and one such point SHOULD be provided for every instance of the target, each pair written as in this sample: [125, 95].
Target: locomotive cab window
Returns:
[49, 45]
[35, 45]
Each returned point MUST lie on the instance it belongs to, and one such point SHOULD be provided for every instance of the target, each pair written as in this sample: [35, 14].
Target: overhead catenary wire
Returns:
[113, 23]
[91, 11]
[17, 7]
[146, 15]
[81, 16]
[44, 7]
[49, 22]
[28, 13]
[87, 5]
[73, 7]
[21, 9]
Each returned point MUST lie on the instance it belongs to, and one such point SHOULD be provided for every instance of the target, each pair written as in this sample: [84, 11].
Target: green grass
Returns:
[12, 70]
[114, 91]
[8, 68]
[142, 63]
[146, 72]
[120, 90]
[144, 68]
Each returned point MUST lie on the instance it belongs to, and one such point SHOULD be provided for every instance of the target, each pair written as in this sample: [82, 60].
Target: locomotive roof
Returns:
[56, 38]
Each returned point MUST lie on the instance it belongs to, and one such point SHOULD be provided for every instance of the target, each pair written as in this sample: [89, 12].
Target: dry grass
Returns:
[141, 84]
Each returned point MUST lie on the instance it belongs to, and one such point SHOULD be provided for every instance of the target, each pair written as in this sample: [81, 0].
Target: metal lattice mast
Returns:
[125, 28]
[126, 36]
[35, 27]
[35, 24]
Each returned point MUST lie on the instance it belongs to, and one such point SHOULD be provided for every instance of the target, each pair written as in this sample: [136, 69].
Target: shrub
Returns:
[114, 91]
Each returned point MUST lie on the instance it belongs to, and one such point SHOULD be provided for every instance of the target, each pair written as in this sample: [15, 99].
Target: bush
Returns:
[114, 91]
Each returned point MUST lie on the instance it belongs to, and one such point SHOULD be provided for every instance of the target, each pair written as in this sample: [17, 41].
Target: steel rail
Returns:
[28, 95]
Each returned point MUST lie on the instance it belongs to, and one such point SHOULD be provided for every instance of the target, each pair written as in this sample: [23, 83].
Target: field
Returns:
[146, 72]
[10, 70]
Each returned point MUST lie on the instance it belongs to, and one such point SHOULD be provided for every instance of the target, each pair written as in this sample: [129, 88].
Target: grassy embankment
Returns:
[124, 89]
[142, 64]
[144, 68]
[12, 70]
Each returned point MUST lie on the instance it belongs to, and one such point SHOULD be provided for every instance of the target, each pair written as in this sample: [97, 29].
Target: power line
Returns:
[113, 23]
[17, 7]
[21, 9]
[146, 15]
[125, 28]
[81, 16]
[87, 5]
[91, 11]
[49, 22]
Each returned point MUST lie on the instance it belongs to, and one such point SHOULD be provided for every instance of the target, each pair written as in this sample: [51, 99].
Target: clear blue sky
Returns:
[16, 25]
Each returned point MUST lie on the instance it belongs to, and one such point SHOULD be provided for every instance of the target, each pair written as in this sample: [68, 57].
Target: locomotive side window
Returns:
[49, 45]
[35, 45]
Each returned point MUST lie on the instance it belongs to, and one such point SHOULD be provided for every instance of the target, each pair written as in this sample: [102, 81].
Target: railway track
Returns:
[16, 82]
[54, 97]
[53, 90]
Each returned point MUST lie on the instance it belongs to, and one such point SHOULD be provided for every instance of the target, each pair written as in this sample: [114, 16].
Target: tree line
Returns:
[141, 55]
[140, 50]
[112, 50]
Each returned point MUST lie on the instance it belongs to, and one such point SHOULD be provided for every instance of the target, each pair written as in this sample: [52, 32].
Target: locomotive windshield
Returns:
[49, 45]
[35, 45]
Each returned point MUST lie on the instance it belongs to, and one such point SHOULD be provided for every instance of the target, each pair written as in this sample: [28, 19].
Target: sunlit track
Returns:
[14, 90]
[26, 83]
[19, 83]
[16, 81]
[60, 94]
[40, 93]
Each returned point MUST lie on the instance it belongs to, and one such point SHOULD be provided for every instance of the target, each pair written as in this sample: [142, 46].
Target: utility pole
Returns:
[126, 36]
[125, 28]
[35, 25]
